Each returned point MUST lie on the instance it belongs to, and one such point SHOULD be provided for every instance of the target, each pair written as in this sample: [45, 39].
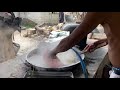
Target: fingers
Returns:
[89, 48]
[86, 47]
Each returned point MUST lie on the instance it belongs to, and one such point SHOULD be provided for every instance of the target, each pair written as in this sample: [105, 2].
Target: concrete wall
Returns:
[40, 17]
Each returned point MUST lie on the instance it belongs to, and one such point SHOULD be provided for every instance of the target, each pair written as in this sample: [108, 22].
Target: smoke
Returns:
[46, 46]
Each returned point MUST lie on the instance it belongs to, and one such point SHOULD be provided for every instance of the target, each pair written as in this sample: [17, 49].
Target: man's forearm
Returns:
[89, 23]
[77, 35]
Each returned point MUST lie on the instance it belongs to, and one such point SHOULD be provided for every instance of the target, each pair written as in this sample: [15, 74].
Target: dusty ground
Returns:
[15, 68]
[26, 44]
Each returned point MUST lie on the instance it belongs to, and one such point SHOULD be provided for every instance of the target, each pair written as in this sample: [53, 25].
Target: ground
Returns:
[15, 68]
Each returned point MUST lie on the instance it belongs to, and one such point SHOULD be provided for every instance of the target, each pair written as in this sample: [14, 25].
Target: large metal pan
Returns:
[62, 68]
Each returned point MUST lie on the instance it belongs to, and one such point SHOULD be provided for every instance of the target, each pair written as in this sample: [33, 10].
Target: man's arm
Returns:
[90, 22]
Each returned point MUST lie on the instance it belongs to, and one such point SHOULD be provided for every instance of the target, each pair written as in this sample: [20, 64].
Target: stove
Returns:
[75, 72]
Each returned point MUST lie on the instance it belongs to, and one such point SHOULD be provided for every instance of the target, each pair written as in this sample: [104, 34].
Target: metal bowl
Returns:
[66, 67]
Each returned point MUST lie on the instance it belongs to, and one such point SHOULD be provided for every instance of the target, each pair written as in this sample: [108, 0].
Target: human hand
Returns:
[51, 59]
[90, 48]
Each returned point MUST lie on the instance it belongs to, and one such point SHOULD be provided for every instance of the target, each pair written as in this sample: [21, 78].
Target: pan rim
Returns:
[27, 60]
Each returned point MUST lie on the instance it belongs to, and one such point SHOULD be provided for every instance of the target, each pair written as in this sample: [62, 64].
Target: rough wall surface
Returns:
[40, 17]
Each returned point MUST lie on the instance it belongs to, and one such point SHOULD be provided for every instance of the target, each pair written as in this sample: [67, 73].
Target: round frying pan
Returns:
[36, 63]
